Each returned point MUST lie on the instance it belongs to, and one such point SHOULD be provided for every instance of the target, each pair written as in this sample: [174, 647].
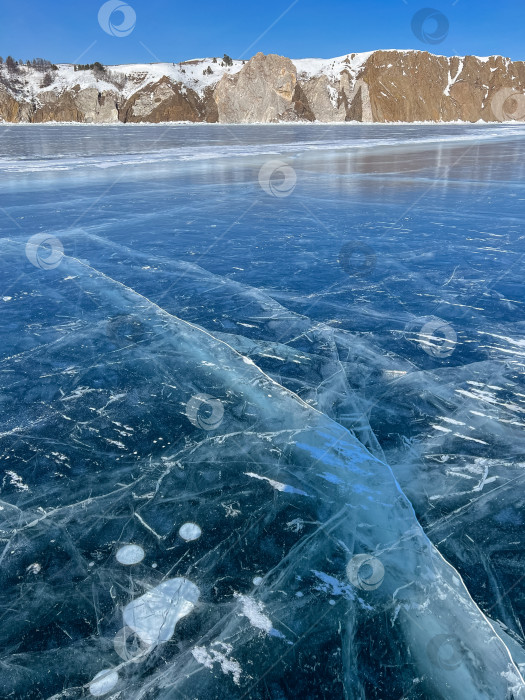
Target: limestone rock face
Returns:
[346, 99]
[76, 105]
[12, 110]
[324, 99]
[406, 86]
[262, 91]
[379, 86]
[418, 86]
[167, 102]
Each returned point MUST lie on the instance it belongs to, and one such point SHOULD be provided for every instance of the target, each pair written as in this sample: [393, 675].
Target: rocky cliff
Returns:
[380, 86]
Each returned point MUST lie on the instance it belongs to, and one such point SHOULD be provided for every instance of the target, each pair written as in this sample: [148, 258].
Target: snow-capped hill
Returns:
[376, 86]
[196, 74]
[331, 67]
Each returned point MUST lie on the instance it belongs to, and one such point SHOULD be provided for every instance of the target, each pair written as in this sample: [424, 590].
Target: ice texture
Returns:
[326, 501]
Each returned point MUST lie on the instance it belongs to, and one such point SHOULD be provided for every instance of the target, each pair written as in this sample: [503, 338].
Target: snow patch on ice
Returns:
[254, 611]
[277, 485]
[208, 658]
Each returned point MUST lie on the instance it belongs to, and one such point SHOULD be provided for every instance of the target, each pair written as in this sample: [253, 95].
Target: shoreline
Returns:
[480, 122]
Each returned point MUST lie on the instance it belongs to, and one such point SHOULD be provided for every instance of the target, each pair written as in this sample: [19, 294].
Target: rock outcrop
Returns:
[166, 101]
[262, 91]
[76, 105]
[12, 110]
[380, 86]
[418, 86]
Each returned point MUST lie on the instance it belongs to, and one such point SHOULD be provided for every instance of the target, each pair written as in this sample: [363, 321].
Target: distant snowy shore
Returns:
[390, 87]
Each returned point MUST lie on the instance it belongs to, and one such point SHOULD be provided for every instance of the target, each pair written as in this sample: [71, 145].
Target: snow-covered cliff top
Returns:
[197, 74]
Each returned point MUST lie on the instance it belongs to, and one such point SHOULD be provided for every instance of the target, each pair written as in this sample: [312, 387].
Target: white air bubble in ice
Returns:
[103, 682]
[154, 615]
[190, 531]
[130, 554]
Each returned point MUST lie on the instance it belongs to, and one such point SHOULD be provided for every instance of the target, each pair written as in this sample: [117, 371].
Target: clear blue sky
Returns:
[173, 30]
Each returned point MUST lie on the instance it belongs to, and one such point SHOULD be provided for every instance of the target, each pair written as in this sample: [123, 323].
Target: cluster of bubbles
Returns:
[128, 643]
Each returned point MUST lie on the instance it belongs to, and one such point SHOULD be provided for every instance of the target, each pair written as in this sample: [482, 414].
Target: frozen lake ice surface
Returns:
[263, 403]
